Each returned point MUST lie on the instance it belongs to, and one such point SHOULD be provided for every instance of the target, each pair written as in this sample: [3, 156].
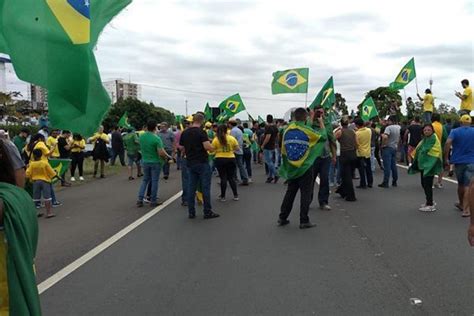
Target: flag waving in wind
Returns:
[368, 109]
[325, 97]
[50, 43]
[405, 76]
[232, 105]
[123, 122]
[290, 81]
[207, 112]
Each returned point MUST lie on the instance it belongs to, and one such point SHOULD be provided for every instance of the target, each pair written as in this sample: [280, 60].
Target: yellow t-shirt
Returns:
[225, 151]
[40, 170]
[81, 143]
[428, 103]
[467, 104]
[96, 136]
[41, 146]
[438, 129]
[53, 143]
[364, 136]
[4, 302]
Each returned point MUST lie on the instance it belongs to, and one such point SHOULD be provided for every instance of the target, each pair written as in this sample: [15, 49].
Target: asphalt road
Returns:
[364, 258]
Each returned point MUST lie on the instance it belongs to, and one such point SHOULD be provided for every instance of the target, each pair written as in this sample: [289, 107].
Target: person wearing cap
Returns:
[428, 105]
[466, 98]
[461, 142]
[390, 138]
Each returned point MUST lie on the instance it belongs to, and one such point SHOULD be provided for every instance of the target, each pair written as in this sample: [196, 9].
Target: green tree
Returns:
[139, 112]
[387, 101]
[340, 105]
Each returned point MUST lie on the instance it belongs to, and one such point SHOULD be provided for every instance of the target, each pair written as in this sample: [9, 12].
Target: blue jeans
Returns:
[389, 156]
[166, 166]
[335, 173]
[426, 117]
[321, 168]
[372, 159]
[199, 173]
[184, 181]
[240, 165]
[268, 154]
[151, 175]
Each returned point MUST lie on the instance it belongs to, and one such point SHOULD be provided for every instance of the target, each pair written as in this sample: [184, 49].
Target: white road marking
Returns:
[64, 272]
[444, 179]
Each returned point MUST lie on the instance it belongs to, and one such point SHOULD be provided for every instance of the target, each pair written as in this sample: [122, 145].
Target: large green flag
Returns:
[326, 96]
[50, 43]
[260, 120]
[232, 105]
[60, 166]
[21, 236]
[369, 110]
[428, 157]
[301, 146]
[123, 122]
[290, 81]
[405, 76]
[208, 112]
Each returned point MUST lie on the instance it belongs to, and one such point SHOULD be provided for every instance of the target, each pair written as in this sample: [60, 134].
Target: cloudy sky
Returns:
[212, 49]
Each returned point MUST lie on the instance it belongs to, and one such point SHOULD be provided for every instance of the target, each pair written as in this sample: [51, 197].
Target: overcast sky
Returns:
[219, 48]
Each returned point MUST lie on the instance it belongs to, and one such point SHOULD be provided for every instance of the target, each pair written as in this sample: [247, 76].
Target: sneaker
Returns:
[275, 180]
[222, 198]
[269, 180]
[81, 178]
[438, 185]
[139, 203]
[394, 184]
[157, 203]
[73, 179]
[250, 180]
[166, 177]
[131, 178]
[146, 200]
[244, 183]
[383, 185]
[283, 222]
[424, 205]
[56, 204]
[192, 216]
[184, 203]
[325, 207]
[102, 176]
[211, 215]
[427, 208]
[307, 225]
[236, 198]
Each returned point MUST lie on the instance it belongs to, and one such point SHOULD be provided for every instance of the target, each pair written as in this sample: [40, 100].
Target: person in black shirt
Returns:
[63, 145]
[196, 145]
[268, 146]
[413, 136]
[117, 147]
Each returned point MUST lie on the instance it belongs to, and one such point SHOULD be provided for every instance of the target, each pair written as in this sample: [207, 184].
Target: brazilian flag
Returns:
[405, 76]
[51, 43]
[301, 146]
[207, 112]
[290, 81]
[123, 122]
[60, 166]
[428, 157]
[369, 110]
[326, 97]
[232, 105]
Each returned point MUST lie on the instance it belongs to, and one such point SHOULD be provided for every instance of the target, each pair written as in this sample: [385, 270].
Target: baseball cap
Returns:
[466, 119]
[208, 124]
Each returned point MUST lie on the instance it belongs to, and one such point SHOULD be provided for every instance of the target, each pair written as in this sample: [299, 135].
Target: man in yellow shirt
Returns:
[52, 143]
[363, 137]
[428, 106]
[466, 98]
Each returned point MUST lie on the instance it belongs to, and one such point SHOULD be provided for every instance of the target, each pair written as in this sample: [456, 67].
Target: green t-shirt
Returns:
[132, 144]
[150, 143]
[19, 142]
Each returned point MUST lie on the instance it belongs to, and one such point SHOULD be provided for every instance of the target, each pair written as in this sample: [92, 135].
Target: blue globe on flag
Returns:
[291, 79]
[296, 144]
[405, 74]
[232, 106]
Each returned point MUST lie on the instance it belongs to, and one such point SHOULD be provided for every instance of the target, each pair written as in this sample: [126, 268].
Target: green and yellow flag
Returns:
[221, 118]
[207, 112]
[123, 122]
[301, 146]
[290, 81]
[369, 110]
[18, 243]
[232, 105]
[326, 97]
[428, 157]
[50, 43]
[405, 76]
[60, 166]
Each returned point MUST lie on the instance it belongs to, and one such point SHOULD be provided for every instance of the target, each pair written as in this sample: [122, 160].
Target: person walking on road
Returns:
[268, 146]
[225, 146]
[348, 159]
[117, 147]
[167, 137]
[132, 146]
[390, 138]
[301, 146]
[428, 160]
[153, 156]
[461, 140]
[237, 133]
[364, 137]
[196, 145]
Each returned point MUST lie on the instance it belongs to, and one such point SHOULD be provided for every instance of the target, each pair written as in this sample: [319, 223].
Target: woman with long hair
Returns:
[78, 145]
[225, 145]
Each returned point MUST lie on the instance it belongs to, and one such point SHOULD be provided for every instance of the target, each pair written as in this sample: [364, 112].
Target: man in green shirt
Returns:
[153, 155]
[132, 146]
[20, 139]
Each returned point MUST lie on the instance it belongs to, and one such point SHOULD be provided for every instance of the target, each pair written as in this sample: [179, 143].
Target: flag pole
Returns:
[416, 82]
[306, 100]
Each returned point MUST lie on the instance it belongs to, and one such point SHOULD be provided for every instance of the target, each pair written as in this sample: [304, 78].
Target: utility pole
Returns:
[431, 84]
[186, 104]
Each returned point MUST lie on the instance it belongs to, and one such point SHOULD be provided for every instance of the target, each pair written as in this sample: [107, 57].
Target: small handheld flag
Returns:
[123, 122]
[369, 110]
[325, 97]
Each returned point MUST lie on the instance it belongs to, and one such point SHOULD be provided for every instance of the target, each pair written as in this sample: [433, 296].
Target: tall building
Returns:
[3, 80]
[118, 89]
[38, 96]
